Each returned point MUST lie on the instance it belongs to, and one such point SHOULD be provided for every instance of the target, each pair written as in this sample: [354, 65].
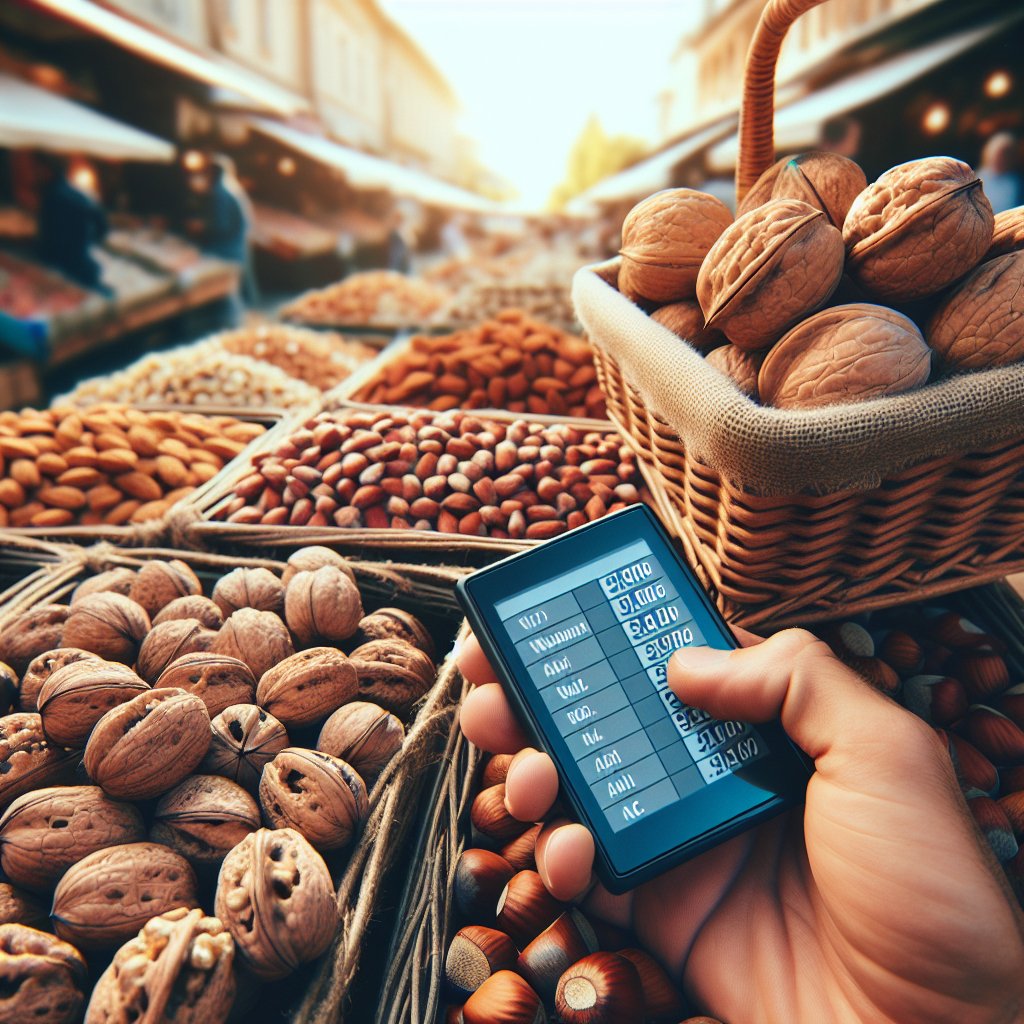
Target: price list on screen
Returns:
[596, 643]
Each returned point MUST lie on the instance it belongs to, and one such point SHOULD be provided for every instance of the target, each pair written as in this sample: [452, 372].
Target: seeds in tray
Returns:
[451, 472]
[511, 362]
[108, 465]
[374, 297]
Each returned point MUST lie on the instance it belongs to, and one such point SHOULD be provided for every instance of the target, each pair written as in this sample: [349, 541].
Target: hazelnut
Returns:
[110, 625]
[158, 583]
[999, 738]
[31, 633]
[365, 736]
[480, 879]
[994, 824]
[244, 739]
[495, 770]
[168, 642]
[260, 639]
[973, 769]
[219, 681]
[41, 668]
[474, 955]
[490, 817]
[114, 581]
[600, 987]
[569, 939]
[308, 686]
[393, 673]
[193, 606]
[322, 607]
[249, 588]
[394, 623]
[314, 557]
[526, 908]
[939, 700]
[504, 998]
[662, 1002]
[521, 851]
[45, 979]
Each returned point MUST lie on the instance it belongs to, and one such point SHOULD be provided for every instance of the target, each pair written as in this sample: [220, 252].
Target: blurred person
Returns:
[998, 172]
[453, 238]
[399, 248]
[841, 135]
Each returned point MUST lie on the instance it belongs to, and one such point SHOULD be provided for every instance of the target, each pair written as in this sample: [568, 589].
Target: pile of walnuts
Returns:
[180, 773]
[826, 289]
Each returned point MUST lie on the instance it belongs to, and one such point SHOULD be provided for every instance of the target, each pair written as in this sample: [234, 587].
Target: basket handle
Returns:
[757, 109]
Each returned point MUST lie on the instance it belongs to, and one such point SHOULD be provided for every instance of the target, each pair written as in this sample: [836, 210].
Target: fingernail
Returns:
[696, 658]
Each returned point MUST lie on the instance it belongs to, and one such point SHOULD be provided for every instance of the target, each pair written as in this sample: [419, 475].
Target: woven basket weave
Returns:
[803, 515]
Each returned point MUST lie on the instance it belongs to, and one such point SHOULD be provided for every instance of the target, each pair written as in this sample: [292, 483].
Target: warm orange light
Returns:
[936, 118]
[193, 160]
[82, 175]
[286, 166]
[998, 84]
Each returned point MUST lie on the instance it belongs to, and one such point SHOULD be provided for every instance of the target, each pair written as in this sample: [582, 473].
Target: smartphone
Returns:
[580, 630]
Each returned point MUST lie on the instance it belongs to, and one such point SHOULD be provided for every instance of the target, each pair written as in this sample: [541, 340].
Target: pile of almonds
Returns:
[374, 298]
[826, 289]
[512, 362]
[179, 776]
[108, 465]
[451, 472]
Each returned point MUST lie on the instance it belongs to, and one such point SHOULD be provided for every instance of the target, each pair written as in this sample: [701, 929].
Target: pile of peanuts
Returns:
[512, 362]
[376, 297]
[451, 472]
[108, 465]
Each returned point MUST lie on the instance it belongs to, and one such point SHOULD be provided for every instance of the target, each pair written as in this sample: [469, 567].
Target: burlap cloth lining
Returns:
[776, 452]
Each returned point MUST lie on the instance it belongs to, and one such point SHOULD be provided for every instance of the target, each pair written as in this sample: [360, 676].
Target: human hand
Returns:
[877, 901]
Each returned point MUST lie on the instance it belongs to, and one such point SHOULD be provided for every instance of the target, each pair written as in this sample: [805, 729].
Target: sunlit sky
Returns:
[528, 73]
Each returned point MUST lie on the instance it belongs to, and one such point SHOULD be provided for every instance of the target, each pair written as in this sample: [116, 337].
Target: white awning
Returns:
[370, 172]
[798, 125]
[211, 69]
[32, 118]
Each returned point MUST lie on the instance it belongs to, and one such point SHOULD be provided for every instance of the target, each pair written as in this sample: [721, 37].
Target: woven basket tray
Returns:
[327, 990]
[799, 515]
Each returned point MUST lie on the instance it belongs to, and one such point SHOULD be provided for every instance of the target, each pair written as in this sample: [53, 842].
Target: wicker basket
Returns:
[929, 498]
[324, 991]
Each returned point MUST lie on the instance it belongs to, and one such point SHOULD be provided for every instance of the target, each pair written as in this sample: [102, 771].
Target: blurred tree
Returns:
[595, 155]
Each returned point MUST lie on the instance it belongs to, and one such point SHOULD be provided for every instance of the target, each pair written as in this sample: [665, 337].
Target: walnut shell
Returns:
[665, 238]
[365, 736]
[739, 366]
[204, 817]
[244, 739]
[249, 588]
[44, 832]
[314, 557]
[320, 795]
[392, 673]
[20, 907]
[322, 607]
[845, 354]
[687, 320]
[27, 760]
[110, 625]
[9, 690]
[43, 980]
[32, 633]
[827, 181]
[177, 969]
[276, 898]
[168, 642]
[386, 623]
[42, 667]
[918, 228]
[194, 606]
[143, 748]
[308, 686]
[114, 581]
[761, 191]
[78, 695]
[219, 681]
[770, 269]
[260, 639]
[159, 583]
[109, 895]
[982, 323]
[1007, 233]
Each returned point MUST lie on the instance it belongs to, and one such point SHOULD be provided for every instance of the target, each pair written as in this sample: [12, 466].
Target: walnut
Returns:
[78, 695]
[194, 606]
[168, 642]
[308, 686]
[687, 321]
[827, 181]
[109, 895]
[845, 354]
[260, 639]
[44, 832]
[27, 761]
[143, 748]
[739, 366]
[245, 738]
[1007, 233]
[918, 228]
[20, 907]
[770, 269]
[365, 736]
[761, 191]
[204, 817]
[664, 240]
[178, 968]
[249, 588]
[42, 667]
[386, 623]
[42, 979]
[276, 898]
[393, 673]
[8, 689]
[320, 795]
[110, 625]
[982, 323]
[314, 557]
[219, 681]
[159, 583]
[31, 633]
[114, 581]
[322, 607]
